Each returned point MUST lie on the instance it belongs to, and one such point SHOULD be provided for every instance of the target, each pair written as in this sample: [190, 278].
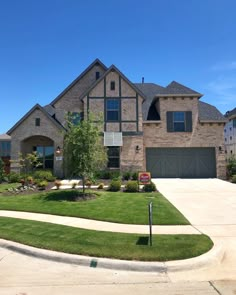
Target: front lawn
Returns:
[5, 186]
[103, 244]
[120, 207]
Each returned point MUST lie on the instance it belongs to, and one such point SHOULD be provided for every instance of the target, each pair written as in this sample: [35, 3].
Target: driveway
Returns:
[204, 202]
[210, 206]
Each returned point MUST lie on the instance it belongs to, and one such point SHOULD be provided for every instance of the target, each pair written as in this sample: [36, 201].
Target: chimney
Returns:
[142, 80]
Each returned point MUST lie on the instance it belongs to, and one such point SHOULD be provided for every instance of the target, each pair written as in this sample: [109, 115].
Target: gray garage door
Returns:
[181, 162]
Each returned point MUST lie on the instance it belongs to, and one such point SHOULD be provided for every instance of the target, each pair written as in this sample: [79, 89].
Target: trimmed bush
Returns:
[14, 177]
[42, 184]
[44, 175]
[127, 175]
[115, 186]
[234, 178]
[57, 183]
[149, 187]
[135, 176]
[132, 186]
[2, 172]
[101, 185]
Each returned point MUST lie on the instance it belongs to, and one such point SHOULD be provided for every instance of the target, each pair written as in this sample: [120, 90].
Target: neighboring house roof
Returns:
[231, 113]
[97, 61]
[113, 68]
[37, 106]
[209, 113]
[5, 137]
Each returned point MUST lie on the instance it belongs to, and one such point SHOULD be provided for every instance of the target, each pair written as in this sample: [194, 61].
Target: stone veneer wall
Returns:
[28, 129]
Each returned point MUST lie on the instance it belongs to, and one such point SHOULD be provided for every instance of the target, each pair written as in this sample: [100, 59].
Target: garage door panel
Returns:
[181, 162]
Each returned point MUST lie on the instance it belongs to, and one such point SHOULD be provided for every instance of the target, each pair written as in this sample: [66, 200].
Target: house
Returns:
[230, 133]
[165, 130]
[5, 151]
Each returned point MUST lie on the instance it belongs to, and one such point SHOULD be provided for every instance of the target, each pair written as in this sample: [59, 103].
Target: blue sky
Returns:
[46, 44]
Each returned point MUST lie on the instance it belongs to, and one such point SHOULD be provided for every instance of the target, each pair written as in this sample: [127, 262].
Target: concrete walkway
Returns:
[101, 225]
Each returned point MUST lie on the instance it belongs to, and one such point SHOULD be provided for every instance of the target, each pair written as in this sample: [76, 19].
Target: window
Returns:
[5, 149]
[97, 75]
[179, 121]
[45, 155]
[234, 123]
[112, 109]
[113, 154]
[37, 122]
[113, 85]
[75, 117]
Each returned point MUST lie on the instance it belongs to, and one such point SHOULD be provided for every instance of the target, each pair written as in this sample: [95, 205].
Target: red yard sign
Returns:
[144, 178]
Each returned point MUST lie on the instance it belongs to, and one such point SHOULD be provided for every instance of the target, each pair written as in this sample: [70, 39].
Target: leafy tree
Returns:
[2, 171]
[84, 152]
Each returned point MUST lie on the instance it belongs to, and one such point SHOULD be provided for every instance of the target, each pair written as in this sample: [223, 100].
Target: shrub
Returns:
[42, 184]
[115, 186]
[88, 183]
[149, 187]
[132, 186]
[57, 183]
[101, 185]
[126, 175]
[14, 177]
[44, 175]
[74, 184]
[2, 172]
[234, 178]
[231, 166]
[135, 176]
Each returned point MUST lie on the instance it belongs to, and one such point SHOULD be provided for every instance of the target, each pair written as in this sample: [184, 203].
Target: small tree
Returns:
[27, 163]
[2, 171]
[83, 150]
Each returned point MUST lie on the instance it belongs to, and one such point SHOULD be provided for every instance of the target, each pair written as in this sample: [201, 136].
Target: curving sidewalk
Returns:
[101, 225]
[214, 256]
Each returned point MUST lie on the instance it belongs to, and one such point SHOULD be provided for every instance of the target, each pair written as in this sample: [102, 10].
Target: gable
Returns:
[69, 98]
[28, 122]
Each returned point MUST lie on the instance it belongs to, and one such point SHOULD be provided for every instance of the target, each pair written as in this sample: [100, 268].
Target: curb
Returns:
[214, 256]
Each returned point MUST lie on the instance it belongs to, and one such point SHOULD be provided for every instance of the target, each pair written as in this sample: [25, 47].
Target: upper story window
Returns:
[75, 117]
[113, 85]
[37, 122]
[97, 75]
[179, 121]
[112, 109]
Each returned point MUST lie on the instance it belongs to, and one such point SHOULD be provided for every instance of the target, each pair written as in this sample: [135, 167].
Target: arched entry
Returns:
[44, 147]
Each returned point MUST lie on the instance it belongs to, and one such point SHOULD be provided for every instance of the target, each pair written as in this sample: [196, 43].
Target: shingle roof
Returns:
[231, 113]
[150, 90]
[177, 88]
[209, 113]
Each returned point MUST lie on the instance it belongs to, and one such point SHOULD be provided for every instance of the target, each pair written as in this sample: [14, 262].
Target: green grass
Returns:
[5, 186]
[103, 244]
[117, 207]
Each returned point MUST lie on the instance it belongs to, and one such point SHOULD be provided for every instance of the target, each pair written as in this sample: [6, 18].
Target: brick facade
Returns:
[90, 93]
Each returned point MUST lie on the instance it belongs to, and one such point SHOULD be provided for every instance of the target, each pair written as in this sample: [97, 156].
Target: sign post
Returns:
[150, 222]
